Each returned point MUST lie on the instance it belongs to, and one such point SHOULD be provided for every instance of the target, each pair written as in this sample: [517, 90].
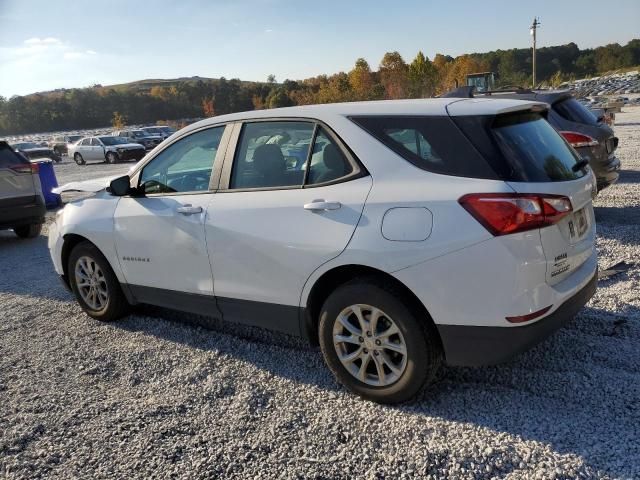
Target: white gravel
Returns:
[153, 397]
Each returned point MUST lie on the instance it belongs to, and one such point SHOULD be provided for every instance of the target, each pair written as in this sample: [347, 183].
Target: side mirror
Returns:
[120, 186]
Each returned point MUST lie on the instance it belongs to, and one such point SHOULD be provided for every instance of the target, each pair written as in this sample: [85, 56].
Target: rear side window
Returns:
[572, 110]
[433, 143]
[9, 158]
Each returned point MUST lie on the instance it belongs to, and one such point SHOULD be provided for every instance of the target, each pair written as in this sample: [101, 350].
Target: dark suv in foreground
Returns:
[22, 206]
[592, 139]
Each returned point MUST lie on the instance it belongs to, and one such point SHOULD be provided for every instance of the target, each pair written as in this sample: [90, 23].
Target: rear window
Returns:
[9, 158]
[572, 110]
[432, 143]
[533, 148]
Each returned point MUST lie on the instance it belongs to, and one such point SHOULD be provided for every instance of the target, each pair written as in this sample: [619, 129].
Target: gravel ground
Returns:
[157, 396]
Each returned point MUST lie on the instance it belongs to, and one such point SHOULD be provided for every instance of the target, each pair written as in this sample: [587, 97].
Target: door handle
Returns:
[189, 209]
[319, 205]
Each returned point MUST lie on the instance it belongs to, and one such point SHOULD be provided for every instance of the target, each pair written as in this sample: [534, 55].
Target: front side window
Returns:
[184, 166]
[272, 154]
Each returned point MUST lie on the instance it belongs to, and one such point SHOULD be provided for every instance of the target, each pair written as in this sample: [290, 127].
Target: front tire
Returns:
[112, 158]
[375, 345]
[78, 159]
[28, 231]
[94, 284]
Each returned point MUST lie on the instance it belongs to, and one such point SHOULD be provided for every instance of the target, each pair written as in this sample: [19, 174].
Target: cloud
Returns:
[46, 49]
[37, 41]
[268, 30]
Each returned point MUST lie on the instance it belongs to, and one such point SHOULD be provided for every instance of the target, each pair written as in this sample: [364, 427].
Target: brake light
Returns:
[505, 213]
[577, 140]
[25, 168]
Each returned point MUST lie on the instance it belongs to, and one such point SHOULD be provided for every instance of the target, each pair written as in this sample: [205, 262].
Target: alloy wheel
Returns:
[91, 283]
[370, 345]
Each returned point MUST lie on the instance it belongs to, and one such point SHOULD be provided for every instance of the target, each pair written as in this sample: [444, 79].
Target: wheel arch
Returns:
[333, 278]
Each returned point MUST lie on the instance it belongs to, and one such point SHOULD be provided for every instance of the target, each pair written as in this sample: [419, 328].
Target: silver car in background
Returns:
[105, 149]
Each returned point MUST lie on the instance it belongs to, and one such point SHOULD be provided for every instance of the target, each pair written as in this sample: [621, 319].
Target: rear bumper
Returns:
[16, 212]
[608, 174]
[474, 346]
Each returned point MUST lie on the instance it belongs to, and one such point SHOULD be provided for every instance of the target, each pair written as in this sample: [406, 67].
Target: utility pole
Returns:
[534, 27]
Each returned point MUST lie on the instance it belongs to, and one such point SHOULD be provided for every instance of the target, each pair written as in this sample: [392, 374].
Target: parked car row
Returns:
[370, 228]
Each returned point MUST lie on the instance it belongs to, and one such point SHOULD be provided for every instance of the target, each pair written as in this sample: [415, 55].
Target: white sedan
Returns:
[105, 149]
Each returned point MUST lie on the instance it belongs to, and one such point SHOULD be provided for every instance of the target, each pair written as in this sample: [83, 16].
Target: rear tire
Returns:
[94, 284]
[397, 366]
[28, 231]
[78, 159]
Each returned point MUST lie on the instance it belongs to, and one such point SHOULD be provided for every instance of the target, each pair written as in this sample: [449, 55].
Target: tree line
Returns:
[98, 106]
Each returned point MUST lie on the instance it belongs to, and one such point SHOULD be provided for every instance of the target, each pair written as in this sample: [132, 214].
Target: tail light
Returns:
[577, 140]
[25, 168]
[505, 213]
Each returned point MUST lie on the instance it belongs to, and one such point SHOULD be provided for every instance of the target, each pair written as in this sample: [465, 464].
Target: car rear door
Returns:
[276, 219]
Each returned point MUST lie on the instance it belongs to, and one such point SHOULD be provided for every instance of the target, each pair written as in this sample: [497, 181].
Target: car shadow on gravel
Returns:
[578, 391]
[26, 268]
[629, 176]
[626, 216]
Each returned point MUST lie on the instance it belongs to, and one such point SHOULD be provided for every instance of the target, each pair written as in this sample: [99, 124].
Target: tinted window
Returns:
[432, 143]
[532, 147]
[272, 154]
[184, 166]
[328, 163]
[8, 157]
[571, 109]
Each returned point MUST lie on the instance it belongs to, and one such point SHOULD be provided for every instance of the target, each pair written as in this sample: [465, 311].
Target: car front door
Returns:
[281, 212]
[159, 234]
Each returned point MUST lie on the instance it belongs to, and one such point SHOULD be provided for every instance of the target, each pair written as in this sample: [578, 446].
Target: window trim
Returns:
[358, 169]
[215, 173]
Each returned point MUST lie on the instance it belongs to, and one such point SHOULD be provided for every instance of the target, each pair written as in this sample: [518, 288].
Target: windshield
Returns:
[572, 110]
[25, 146]
[167, 129]
[138, 133]
[152, 130]
[113, 140]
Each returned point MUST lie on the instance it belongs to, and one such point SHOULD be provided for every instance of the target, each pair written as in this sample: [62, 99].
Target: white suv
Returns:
[398, 234]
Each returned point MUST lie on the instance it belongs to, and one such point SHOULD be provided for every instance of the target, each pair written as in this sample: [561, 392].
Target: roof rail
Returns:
[470, 91]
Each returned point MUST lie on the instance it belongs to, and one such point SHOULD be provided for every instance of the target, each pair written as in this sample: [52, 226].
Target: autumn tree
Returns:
[118, 121]
[208, 108]
[361, 80]
[394, 75]
[422, 77]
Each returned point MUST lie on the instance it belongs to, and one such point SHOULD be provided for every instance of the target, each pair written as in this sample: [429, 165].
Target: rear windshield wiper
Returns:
[580, 165]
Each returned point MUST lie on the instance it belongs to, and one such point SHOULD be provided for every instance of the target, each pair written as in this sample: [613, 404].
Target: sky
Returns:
[49, 44]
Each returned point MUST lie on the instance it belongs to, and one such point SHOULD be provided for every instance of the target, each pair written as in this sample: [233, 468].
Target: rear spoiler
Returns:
[469, 91]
